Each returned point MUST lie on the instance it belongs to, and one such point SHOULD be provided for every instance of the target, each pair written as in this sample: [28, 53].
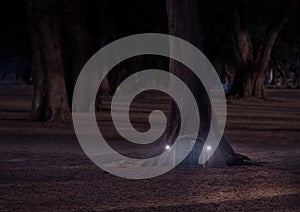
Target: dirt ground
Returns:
[43, 168]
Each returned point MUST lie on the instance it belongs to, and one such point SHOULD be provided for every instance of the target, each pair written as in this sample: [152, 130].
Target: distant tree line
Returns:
[244, 39]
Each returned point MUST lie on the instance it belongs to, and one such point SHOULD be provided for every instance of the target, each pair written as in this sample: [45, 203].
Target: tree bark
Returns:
[37, 108]
[50, 97]
[183, 22]
[79, 48]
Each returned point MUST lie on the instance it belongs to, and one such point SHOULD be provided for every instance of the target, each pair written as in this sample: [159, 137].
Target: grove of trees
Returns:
[243, 35]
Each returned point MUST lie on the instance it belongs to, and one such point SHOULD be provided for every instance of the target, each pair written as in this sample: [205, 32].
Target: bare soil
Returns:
[43, 168]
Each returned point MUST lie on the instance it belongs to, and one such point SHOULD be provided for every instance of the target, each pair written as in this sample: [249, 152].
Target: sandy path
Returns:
[42, 167]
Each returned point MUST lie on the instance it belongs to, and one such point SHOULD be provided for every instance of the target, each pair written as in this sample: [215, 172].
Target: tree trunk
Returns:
[108, 34]
[183, 21]
[243, 50]
[50, 98]
[38, 104]
[78, 46]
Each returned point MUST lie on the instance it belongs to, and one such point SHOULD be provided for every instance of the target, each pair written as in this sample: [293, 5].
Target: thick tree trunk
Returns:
[242, 82]
[108, 34]
[50, 100]
[77, 42]
[184, 23]
[182, 19]
[38, 104]
[251, 68]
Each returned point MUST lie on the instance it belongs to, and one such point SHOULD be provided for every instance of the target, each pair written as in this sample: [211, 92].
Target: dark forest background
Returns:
[130, 17]
[252, 44]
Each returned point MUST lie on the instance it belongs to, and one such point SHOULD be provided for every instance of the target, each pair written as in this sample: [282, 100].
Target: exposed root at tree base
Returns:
[241, 160]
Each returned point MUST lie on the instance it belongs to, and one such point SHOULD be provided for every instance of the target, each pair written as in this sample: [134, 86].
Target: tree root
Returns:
[242, 160]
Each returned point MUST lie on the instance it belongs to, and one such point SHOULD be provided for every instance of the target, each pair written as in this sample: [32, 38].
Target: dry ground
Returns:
[42, 167]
